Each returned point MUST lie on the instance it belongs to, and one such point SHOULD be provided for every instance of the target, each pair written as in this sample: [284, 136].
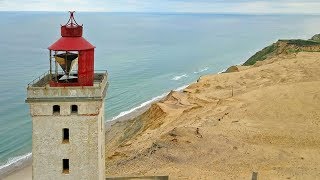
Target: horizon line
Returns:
[163, 12]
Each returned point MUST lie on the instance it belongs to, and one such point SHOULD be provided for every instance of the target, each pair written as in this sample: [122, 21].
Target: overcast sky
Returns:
[196, 6]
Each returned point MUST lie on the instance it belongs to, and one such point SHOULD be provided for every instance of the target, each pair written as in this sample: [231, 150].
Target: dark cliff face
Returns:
[285, 47]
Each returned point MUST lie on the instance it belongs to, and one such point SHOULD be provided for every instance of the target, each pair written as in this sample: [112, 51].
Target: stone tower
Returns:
[67, 109]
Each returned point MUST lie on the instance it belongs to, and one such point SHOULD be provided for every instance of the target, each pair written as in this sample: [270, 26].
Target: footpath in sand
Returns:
[264, 118]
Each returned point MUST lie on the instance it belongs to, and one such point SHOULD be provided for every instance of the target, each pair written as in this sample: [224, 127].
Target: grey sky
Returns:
[196, 6]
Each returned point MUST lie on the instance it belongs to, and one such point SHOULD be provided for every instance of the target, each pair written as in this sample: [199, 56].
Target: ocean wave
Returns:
[181, 88]
[176, 78]
[201, 70]
[157, 98]
[15, 162]
[124, 113]
[222, 71]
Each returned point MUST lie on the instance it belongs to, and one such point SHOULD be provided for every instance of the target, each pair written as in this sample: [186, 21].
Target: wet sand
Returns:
[22, 174]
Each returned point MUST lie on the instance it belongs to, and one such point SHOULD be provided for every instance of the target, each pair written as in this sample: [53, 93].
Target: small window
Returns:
[65, 135]
[65, 166]
[56, 109]
[74, 109]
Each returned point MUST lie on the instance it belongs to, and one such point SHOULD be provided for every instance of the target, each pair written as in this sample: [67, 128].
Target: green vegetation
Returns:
[261, 55]
[290, 51]
[300, 42]
[316, 38]
[286, 47]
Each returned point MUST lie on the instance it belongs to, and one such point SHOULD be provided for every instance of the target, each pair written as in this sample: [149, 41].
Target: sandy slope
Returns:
[271, 125]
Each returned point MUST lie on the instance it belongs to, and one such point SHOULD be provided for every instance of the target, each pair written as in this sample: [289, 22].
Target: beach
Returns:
[22, 174]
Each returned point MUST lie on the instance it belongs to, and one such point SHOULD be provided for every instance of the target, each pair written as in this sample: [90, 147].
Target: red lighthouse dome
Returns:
[75, 56]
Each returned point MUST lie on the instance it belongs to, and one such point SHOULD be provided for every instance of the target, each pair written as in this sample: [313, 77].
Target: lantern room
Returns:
[71, 57]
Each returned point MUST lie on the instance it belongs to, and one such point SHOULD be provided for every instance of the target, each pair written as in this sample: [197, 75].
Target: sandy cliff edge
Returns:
[270, 125]
[264, 118]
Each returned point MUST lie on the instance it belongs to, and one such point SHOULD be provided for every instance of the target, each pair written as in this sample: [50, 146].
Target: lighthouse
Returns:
[67, 110]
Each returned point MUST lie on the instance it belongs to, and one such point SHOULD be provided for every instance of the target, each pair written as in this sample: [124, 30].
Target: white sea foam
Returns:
[157, 98]
[201, 70]
[176, 78]
[181, 88]
[15, 162]
[223, 70]
[124, 113]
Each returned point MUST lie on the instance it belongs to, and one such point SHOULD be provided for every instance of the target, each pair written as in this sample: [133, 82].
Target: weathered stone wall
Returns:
[85, 149]
[101, 138]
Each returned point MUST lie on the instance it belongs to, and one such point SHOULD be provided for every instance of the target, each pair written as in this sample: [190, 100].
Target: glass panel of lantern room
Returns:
[68, 63]
[56, 67]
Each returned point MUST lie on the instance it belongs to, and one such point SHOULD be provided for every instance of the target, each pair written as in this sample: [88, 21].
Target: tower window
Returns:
[65, 135]
[74, 109]
[65, 166]
[56, 109]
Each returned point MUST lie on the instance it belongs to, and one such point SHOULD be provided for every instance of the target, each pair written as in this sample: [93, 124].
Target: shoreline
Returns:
[138, 110]
[24, 162]
[17, 166]
[20, 171]
[24, 173]
[21, 164]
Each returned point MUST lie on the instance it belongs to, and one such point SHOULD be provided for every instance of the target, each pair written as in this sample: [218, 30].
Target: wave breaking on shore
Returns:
[15, 163]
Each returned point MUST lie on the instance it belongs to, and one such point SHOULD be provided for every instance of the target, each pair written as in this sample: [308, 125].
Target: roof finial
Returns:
[72, 22]
[71, 28]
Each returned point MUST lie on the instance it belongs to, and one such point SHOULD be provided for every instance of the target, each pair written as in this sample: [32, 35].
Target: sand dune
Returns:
[264, 118]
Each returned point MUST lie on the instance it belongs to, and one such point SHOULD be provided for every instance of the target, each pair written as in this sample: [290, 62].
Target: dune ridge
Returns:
[262, 118]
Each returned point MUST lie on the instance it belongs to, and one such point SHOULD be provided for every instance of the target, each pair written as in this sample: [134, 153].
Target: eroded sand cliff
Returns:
[264, 118]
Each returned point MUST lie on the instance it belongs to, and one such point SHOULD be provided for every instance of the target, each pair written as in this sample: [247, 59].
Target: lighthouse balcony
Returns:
[41, 90]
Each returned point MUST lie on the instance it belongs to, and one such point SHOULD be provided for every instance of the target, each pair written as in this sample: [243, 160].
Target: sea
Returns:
[146, 55]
